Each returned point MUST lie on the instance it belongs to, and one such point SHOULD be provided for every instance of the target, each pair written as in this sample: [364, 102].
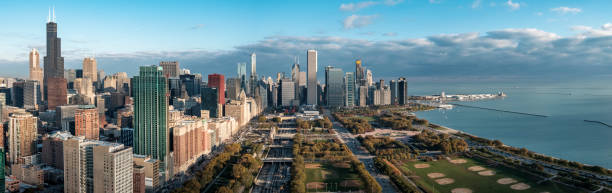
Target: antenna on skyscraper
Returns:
[54, 14]
[49, 16]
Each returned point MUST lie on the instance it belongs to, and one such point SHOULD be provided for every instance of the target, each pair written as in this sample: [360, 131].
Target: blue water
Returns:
[563, 134]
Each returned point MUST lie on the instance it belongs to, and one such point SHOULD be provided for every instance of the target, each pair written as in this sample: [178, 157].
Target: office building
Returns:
[210, 101]
[170, 68]
[233, 88]
[151, 133]
[218, 81]
[26, 94]
[363, 95]
[359, 73]
[191, 83]
[311, 94]
[349, 89]
[242, 75]
[402, 91]
[97, 166]
[2, 173]
[53, 78]
[56, 92]
[253, 65]
[90, 69]
[286, 93]
[22, 135]
[36, 71]
[369, 79]
[84, 86]
[334, 86]
[86, 122]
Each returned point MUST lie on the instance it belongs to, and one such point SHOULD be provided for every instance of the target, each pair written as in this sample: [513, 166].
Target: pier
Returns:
[499, 110]
[599, 122]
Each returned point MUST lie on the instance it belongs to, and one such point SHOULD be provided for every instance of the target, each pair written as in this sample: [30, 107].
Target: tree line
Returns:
[442, 142]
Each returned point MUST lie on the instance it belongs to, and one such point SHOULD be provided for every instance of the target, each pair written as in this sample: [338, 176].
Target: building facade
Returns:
[311, 94]
[151, 133]
[22, 136]
[90, 69]
[170, 68]
[334, 87]
[218, 81]
[86, 122]
[349, 89]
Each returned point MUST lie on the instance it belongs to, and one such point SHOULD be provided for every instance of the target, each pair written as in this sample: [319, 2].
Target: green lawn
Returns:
[464, 178]
[333, 177]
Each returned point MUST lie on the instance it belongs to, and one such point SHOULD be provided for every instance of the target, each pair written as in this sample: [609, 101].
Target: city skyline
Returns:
[548, 35]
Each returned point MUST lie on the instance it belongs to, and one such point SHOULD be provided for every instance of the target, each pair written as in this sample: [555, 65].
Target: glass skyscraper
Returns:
[151, 113]
[349, 89]
[334, 83]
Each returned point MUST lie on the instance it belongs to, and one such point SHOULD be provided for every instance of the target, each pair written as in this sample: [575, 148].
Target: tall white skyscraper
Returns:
[253, 64]
[311, 85]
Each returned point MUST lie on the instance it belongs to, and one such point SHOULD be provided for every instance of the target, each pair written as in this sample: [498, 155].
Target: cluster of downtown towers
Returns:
[156, 88]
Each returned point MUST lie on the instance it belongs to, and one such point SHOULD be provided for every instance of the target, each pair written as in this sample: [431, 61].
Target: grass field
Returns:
[464, 178]
[332, 176]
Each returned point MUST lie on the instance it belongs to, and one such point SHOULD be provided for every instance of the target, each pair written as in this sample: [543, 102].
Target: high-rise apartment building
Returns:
[151, 167]
[139, 179]
[311, 94]
[36, 71]
[52, 152]
[86, 122]
[363, 95]
[218, 81]
[393, 92]
[349, 89]
[334, 84]
[97, 166]
[253, 65]
[90, 69]
[54, 82]
[170, 68]
[22, 135]
[151, 133]
[402, 91]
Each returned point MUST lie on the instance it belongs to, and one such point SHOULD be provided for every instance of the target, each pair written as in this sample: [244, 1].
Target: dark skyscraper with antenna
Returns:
[54, 82]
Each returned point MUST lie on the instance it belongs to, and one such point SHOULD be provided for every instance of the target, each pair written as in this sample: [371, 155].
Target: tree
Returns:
[261, 119]
[224, 189]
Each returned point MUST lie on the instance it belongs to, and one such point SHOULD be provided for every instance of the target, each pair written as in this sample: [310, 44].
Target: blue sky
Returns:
[211, 36]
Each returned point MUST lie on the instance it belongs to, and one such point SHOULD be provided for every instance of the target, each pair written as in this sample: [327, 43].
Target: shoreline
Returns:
[454, 131]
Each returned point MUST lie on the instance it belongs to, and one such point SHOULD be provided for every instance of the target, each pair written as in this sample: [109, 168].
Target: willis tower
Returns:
[54, 82]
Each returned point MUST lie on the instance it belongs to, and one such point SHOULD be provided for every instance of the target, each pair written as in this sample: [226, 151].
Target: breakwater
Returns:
[599, 122]
[499, 110]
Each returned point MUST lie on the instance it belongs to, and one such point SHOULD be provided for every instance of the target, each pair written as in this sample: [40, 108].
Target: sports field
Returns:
[464, 175]
[331, 177]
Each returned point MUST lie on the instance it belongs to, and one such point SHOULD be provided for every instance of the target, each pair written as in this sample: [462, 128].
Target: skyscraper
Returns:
[36, 72]
[286, 92]
[402, 91]
[233, 88]
[359, 73]
[218, 81]
[242, 75]
[334, 83]
[22, 136]
[86, 122]
[151, 133]
[253, 65]
[210, 101]
[90, 69]
[349, 89]
[26, 94]
[171, 68]
[54, 82]
[369, 79]
[393, 85]
[311, 94]
[192, 83]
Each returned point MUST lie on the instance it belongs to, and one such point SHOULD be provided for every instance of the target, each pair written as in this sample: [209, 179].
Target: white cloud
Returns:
[390, 34]
[566, 10]
[365, 4]
[587, 31]
[393, 2]
[476, 4]
[357, 21]
[357, 6]
[197, 26]
[513, 5]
